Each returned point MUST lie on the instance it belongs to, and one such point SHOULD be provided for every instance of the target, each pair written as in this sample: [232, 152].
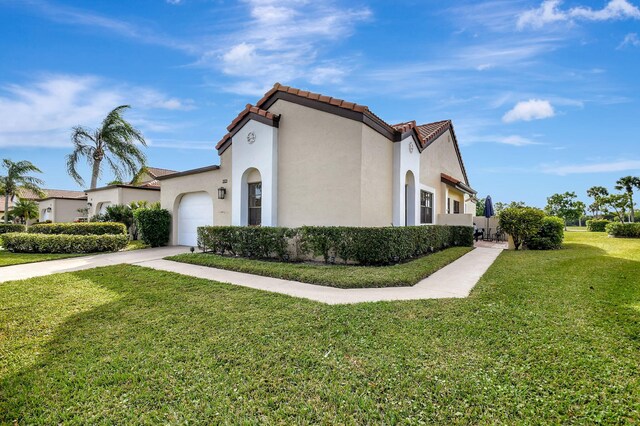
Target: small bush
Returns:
[597, 225]
[549, 236]
[258, 242]
[521, 223]
[365, 246]
[44, 243]
[79, 228]
[11, 227]
[623, 230]
[153, 225]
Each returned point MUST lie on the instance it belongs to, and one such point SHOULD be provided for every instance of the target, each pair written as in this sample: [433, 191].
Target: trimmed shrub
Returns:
[365, 246]
[258, 242]
[624, 230]
[549, 236]
[11, 227]
[597, 225]
[44, 243]
[153, 225]
[79, 228]
[521, 223]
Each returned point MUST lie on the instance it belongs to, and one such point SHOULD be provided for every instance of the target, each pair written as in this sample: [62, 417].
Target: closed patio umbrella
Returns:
[488, 211]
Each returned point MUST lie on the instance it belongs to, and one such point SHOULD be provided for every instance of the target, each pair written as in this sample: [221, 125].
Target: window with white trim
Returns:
[426, 207]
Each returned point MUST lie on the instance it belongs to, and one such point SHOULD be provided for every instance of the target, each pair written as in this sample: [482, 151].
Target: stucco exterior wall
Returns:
[319, 175]
[440, 157]
[376, 190]
[119, 195]
[128, 195]
[173, 189]
[67, 210]
[96, 198]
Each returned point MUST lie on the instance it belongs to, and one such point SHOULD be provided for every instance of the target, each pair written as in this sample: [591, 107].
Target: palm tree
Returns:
[25, 209]
[597, 193]
[114, 142]
[17, 179]
[628, 184]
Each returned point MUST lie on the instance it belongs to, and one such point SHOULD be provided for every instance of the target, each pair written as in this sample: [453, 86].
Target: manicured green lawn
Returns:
[343, 276]
[8, 258]
[545, 338]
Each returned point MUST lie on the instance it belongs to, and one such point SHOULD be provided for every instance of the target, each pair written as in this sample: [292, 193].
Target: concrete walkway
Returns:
[39, 269]
[453, 281]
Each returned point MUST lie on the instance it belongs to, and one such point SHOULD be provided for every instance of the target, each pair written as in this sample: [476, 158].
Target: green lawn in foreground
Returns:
[8, 258]
[343, 276]
[545, 338]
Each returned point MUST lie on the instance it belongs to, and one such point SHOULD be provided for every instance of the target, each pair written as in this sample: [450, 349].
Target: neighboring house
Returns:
[62, 206]
[300, 158]
[144, 187]
[58, 205]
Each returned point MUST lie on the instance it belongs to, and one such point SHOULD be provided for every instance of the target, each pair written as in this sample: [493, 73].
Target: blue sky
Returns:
[543, 94]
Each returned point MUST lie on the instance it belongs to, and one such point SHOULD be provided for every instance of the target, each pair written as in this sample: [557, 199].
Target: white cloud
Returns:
[606, 167]
[515, 140]
[630, 39]
[43, 112]
[174, 2]
[285, 41]
[533, 109]
[550, 12]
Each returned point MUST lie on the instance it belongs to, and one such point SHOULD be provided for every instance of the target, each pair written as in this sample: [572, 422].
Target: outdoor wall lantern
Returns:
[89, 204]
[222, 191]
[49, 209]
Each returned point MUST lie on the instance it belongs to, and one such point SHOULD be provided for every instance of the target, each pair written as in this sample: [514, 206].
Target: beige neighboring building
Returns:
[62, 206]
[58, 205]
[299, 158]
[144, 187]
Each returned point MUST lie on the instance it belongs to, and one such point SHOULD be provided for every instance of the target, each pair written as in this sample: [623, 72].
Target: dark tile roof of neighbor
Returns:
[425, 133]
[157, 172]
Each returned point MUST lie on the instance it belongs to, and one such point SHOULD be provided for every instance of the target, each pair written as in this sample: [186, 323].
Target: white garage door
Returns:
[195, 209]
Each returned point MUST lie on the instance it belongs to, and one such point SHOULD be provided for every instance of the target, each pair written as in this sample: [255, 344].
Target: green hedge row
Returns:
[597, 225]
[43, 243]
[259, 242]
[11, 227]
[628, 230]
[154, 225]
[83, 228]
[549, 236]
[365, 246]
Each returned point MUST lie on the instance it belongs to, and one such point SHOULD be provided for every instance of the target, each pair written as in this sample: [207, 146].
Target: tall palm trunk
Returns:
[632, 217]
[97, 159]
[6, 208]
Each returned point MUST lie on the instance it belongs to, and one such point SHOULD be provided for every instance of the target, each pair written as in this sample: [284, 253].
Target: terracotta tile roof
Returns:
[52, 193]
[404, 127]
[450, 178]
[431, 131]
[157, 172]
[223, 140]
[314, 96]
[251, 109]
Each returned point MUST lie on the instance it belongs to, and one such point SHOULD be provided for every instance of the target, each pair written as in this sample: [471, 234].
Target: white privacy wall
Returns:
[263, 156]
[404, 160]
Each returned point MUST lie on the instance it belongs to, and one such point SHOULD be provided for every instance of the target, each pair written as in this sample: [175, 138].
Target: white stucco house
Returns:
[144, 187]
[300, 158]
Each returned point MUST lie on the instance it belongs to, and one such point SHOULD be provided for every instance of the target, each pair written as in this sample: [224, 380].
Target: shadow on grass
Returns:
[546, 337]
